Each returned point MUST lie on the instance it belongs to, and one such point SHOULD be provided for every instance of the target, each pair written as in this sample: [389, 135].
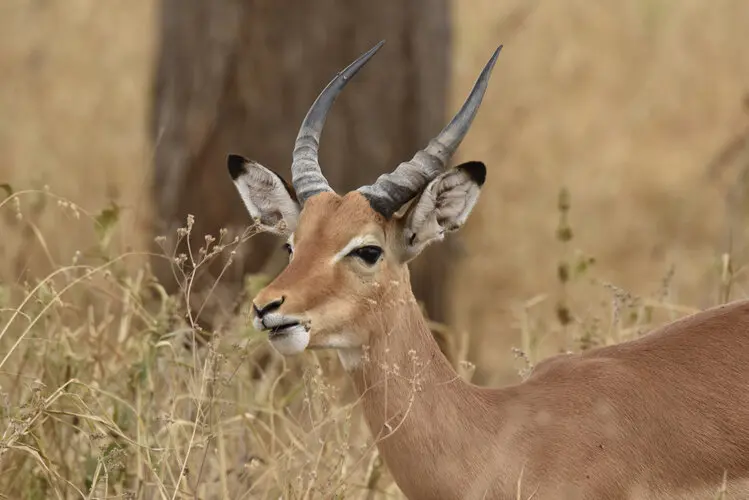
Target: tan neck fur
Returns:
[420, 411]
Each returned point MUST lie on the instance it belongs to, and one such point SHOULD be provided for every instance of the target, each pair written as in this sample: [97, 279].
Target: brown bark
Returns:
[238, 77]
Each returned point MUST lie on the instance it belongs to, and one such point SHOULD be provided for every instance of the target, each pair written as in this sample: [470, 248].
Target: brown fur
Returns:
[660, 417]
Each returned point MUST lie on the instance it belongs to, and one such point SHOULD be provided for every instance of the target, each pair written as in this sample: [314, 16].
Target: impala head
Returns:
[348, 253]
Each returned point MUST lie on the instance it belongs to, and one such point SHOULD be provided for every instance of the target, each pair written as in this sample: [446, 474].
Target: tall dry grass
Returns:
[107, 393]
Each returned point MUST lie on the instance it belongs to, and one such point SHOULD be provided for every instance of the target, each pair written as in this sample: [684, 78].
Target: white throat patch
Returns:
[351, 358]
[349, 353]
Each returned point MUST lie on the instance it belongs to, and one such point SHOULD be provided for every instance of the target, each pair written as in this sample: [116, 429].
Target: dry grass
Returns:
[104, 395]
[624, 103]
[74, 115]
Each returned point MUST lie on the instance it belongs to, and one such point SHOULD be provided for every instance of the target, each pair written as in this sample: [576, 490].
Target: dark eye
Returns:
[369, 254]
[287, 247]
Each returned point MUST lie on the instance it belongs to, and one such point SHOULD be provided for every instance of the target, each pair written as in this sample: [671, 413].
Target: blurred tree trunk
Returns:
[237, 76]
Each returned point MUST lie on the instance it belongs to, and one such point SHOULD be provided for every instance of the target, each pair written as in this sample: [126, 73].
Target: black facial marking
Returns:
[380, 206]
[385, 207]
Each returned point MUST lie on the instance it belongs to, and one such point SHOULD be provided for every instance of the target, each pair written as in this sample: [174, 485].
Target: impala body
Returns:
[665, 416]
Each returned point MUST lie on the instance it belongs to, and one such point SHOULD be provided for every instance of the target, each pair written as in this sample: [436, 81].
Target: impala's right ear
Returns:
[269, 199]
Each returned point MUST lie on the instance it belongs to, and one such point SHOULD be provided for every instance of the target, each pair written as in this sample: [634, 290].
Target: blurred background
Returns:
[636, 112]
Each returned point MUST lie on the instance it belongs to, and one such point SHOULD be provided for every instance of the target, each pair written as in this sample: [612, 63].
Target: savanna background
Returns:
[616, 136]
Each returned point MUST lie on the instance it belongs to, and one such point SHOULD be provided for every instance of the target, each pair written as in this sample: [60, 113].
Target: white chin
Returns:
[290, 341]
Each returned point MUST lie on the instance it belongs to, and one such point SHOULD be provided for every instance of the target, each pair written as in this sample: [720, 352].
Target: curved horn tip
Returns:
[377, 47]
[496, 52]
[490, 65]
[306, 173]
[360, 61]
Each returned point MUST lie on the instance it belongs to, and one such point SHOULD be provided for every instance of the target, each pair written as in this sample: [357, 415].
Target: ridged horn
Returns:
[391, 191]
[306, 175]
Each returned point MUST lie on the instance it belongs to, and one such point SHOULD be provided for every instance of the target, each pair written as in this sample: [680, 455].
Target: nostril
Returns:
[274, 305]
[269, 307]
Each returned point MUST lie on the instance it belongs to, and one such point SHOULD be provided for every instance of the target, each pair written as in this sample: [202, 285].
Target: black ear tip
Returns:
[476, 170]
[236, 165]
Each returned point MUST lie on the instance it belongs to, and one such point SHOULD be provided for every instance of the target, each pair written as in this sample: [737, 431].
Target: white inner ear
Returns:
[443, 206]
[266, 199]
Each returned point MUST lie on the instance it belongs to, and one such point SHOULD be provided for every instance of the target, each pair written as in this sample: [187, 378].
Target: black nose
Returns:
[269, 307]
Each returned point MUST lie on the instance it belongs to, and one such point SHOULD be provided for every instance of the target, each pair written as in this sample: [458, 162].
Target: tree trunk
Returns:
[238, 77]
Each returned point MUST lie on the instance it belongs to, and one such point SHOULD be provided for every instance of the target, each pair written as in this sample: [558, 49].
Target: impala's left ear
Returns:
[269, 199]
[442, 207]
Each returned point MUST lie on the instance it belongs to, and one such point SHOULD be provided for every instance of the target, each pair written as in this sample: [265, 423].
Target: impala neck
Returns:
[418, 408]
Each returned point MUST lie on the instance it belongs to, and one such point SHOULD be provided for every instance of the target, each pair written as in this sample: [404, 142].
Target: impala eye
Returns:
[288, 248]
[370, 254]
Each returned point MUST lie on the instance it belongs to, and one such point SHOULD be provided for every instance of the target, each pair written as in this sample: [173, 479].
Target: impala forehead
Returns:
[332, 223]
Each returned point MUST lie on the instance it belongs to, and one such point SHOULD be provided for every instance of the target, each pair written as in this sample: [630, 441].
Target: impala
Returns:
[664, 416]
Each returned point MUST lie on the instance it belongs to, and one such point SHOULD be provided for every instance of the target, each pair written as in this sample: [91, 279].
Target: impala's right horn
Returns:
[306, 174]
[391, 191]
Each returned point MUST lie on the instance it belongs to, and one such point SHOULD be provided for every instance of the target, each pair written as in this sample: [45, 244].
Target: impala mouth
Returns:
[282, 330]
[288, 338]
[287, 334]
